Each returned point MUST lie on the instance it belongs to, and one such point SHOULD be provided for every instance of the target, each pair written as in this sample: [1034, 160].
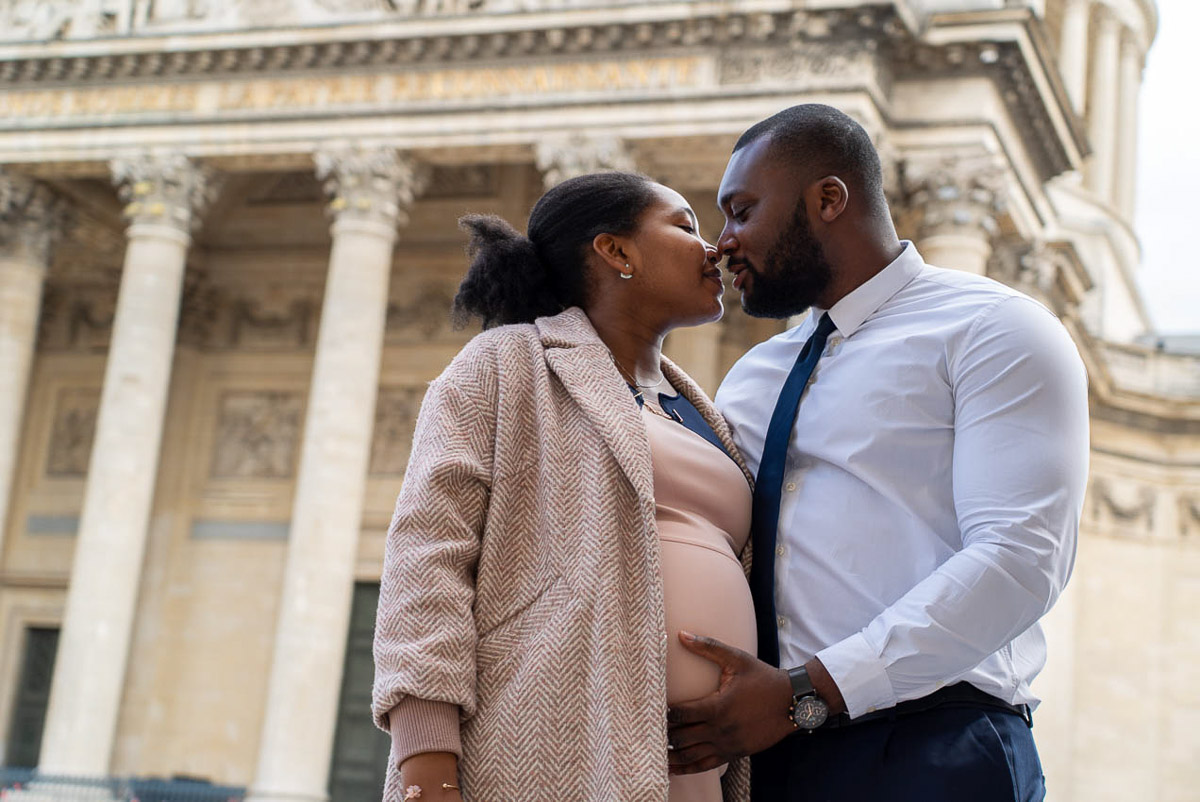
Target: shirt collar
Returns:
[865, 300]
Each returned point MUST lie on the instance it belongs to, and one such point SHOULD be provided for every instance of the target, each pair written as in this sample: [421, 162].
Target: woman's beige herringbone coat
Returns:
[522, 581]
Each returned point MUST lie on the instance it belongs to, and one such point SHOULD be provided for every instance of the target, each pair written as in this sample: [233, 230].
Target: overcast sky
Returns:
[1168, 200]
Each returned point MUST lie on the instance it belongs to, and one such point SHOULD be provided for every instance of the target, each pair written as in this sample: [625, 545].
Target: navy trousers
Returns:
[949, 754]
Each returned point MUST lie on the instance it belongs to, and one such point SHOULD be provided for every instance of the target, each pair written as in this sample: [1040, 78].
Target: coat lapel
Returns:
[581, 361]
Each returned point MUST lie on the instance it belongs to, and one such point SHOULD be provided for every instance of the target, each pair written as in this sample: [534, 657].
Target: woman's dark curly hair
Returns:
[515, 278]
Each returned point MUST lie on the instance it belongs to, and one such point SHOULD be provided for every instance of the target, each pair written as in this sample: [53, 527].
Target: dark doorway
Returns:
[32, 698]
[360, 750]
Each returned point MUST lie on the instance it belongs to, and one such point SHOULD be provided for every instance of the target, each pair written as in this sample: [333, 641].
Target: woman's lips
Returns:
[715, 276]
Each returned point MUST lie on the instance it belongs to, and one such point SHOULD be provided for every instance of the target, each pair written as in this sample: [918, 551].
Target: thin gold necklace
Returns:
[639, 395]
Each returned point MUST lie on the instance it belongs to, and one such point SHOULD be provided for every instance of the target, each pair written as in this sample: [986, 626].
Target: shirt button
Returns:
[790, 487]
[781, 621]
[779, 551]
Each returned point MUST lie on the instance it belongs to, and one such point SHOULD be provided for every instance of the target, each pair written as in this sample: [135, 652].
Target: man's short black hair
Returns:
[819, 140]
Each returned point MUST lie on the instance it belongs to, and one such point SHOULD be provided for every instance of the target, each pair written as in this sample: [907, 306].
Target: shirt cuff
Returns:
[860, 674]
[420, 725]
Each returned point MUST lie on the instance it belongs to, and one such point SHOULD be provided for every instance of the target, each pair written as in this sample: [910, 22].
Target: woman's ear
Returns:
[832, 197]
[613, 252]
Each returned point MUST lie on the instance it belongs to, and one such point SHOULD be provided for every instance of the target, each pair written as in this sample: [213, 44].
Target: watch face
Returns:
[810, 712]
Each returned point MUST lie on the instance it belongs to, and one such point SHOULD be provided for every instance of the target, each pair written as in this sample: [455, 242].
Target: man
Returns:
[921, 446]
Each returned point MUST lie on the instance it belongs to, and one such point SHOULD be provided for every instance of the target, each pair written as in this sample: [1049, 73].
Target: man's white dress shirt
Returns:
[933, 486]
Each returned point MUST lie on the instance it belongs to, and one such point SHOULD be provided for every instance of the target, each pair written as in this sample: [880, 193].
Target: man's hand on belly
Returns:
[748, 712]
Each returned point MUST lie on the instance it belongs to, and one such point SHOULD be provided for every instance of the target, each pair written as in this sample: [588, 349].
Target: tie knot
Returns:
[824, 326]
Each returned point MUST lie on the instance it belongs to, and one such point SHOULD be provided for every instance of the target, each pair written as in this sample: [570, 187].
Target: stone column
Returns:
[1073, 49]
[163, 193]
[1127, 130]
[31, 217]
[957, 200]
[1102, 108]
[372, 192]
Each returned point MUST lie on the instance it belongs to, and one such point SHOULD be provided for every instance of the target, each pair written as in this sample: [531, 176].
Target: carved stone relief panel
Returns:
[1189, 517]
[258, 435]
[1121, 507]
[77, 318]
[74, 428]
[265, 316]
[395, 418]
[421, 317]
[468, 181]
[816, 65]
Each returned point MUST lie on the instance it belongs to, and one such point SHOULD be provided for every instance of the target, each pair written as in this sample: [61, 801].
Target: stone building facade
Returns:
[227, 249]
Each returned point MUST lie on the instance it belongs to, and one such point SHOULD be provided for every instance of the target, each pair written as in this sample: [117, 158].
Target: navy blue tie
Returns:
[768, 489]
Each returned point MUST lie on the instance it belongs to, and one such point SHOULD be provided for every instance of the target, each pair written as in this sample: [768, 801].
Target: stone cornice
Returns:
[1010, 46]
[440, 41]
[1139, 387]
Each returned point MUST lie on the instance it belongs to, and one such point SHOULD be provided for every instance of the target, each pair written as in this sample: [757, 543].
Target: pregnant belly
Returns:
[705, 593]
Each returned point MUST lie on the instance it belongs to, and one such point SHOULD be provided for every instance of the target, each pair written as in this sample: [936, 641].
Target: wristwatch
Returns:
[808, 711]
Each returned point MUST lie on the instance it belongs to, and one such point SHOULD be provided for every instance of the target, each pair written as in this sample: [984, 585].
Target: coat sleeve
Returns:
[424, 629]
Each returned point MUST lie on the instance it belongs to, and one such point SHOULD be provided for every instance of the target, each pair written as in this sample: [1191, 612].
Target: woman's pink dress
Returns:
[703, 517]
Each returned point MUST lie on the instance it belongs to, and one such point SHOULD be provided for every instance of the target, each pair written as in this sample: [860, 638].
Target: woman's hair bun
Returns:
[506, 281]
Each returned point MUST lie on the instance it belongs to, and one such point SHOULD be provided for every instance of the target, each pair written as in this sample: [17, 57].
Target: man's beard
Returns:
[794, 274]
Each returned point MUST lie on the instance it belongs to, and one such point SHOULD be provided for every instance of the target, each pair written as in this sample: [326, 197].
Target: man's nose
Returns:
[726, 243]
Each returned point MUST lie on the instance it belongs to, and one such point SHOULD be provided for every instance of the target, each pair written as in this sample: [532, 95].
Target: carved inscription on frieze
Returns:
[323, 93]
[395, 418]
[258, 435]
[71, 436]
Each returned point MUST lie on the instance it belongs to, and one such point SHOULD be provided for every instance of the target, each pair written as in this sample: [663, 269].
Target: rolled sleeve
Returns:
[419, 726]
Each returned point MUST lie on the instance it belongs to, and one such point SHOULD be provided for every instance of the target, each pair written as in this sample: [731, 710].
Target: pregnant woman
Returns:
[572, 502]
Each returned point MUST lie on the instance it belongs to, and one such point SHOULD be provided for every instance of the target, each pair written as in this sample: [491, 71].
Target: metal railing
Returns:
[19, 785]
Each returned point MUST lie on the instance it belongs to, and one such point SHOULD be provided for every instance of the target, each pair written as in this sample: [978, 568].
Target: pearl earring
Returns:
[628, 275]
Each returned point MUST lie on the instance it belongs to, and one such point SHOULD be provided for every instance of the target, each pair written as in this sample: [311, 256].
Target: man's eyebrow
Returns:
[724, 200]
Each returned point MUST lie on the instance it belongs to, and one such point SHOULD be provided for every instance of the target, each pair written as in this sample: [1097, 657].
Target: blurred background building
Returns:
[227, 252]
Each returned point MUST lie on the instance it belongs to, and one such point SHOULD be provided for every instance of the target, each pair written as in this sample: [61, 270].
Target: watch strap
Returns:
[801, 682]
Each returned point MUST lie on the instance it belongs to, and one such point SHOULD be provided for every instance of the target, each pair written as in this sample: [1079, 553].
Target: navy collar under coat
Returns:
[582, 362]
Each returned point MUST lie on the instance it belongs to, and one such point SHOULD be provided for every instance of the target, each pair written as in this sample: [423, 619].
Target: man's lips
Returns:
[740, 271]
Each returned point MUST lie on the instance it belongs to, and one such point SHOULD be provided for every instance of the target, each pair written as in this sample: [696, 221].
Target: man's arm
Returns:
[1019, 475]
[1020, 467]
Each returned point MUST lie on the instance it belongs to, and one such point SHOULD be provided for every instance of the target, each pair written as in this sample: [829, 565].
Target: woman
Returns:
[572, 502]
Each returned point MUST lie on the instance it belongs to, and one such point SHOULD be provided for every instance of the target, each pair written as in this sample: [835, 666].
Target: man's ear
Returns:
[832, 197]
[613, 252]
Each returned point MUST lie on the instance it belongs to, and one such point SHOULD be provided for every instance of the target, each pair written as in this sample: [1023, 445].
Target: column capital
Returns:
[375, 185]
[32, 218]
[563, 156]
[1132, 47]
[163, 189]
[955, 192]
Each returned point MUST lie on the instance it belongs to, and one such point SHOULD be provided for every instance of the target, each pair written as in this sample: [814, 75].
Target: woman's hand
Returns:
[429, 771]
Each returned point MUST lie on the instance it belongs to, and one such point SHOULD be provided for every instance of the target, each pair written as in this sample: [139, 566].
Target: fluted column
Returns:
[957, 200]
[1102, 107]
[31, 217]
[1131, 86]
[1073, 49]
[163, 193]
[371, 194]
